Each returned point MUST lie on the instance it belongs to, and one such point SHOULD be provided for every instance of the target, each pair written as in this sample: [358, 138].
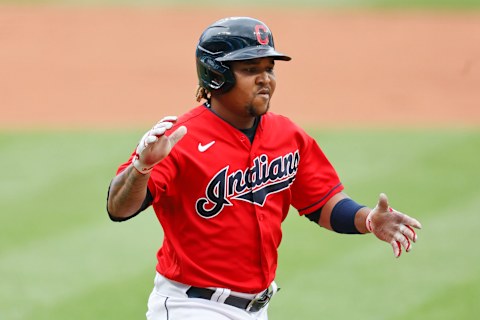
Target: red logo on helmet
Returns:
[262, 34]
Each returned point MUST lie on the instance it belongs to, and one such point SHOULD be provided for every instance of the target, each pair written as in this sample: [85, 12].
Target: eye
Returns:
[251, 70]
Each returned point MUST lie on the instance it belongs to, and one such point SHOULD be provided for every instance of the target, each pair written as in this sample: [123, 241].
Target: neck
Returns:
[237, 121]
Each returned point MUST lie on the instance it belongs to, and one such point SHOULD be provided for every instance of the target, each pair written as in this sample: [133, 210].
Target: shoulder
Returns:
[192, 116]
[272, 121]
[272, 116]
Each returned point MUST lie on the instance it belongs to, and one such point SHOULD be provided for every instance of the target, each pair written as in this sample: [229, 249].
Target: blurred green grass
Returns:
[431, 4]
[61, 258]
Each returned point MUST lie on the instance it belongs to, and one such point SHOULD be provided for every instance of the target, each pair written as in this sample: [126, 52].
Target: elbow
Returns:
[114, 211]
[113, 214]
[116, 214]
[116, 217]
[121, 208]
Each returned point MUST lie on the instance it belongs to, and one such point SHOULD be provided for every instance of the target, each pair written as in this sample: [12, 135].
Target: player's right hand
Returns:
[155, 145]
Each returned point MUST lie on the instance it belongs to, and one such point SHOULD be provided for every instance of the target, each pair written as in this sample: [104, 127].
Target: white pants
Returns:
[169, 301]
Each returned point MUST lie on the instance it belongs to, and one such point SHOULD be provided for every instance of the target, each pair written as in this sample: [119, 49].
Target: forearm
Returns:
[127, 193]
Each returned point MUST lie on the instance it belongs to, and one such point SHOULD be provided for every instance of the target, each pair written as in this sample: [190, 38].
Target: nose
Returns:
[263, 77]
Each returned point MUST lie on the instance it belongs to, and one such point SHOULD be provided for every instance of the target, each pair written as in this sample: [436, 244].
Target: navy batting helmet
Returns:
[231, 39]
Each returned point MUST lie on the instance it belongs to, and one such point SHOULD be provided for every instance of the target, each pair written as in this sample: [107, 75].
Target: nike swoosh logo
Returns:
[203, 148]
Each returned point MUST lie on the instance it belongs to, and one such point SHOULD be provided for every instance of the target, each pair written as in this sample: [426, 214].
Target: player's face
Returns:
[250, 97]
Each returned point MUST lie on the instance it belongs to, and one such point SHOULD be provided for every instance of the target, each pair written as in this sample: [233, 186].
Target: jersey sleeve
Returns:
[316, 180]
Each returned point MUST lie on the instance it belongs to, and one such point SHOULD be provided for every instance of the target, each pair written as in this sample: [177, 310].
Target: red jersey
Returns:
[221, 200]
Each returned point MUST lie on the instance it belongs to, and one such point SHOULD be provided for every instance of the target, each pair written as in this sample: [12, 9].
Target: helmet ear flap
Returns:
[214, 75]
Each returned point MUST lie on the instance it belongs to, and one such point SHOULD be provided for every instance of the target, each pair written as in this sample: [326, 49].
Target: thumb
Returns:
[177, 135]
[382, 202]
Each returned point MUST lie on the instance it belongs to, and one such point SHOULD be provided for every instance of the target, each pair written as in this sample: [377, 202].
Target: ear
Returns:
[202, 93]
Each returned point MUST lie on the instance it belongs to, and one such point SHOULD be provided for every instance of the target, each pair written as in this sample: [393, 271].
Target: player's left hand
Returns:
[392, 226]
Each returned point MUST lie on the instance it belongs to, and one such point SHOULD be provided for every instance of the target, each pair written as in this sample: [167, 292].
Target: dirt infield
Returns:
[95, 67]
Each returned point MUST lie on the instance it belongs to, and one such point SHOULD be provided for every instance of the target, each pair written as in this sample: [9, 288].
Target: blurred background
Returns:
[390, 90]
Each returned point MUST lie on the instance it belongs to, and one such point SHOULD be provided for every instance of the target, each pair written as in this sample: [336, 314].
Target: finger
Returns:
[150, 139]
[414, 223]
[383, 202]
[414, 233]
[172, 119]
[178, 134]
[409, 221]
[403, 240]
[143, 140]
[397, 248]
[408, 232]
[166, 125]
[158, 132]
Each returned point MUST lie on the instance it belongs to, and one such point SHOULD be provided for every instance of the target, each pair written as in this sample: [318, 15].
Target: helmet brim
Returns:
[256, 52]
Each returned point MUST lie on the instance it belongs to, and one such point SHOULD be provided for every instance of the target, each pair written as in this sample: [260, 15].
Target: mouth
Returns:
[264, 92]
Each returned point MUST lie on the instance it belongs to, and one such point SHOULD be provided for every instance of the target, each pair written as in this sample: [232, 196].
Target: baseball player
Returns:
[221, 179]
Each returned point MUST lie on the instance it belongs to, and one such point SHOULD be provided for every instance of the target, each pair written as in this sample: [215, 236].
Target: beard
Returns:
[256, 111]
